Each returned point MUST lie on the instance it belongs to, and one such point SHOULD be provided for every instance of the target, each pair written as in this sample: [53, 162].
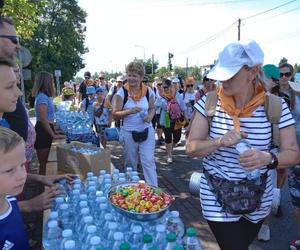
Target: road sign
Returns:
[25, 56]
[57, 73]
[26, 74]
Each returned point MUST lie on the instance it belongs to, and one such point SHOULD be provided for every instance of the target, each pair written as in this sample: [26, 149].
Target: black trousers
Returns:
[172, 135]
[236, 235]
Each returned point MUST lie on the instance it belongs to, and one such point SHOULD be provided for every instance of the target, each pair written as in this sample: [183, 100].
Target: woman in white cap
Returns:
[234, 199]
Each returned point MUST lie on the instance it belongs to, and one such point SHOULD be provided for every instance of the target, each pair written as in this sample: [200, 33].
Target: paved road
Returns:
[175, 178]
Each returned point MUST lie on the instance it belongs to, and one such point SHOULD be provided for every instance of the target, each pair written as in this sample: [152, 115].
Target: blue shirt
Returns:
[4, 123]
[12, 231]
[42, 98]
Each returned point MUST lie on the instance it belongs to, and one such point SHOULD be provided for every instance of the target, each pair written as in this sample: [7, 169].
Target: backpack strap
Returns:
[273, 110]
[210, 106]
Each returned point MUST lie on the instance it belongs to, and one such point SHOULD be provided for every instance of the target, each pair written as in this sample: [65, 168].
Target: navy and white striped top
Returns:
[224, 162]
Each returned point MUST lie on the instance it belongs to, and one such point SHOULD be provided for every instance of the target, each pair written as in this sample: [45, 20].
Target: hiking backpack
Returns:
[273, 110]
[173, 109]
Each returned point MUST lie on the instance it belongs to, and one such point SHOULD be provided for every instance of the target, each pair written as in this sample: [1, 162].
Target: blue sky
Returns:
[119, 30]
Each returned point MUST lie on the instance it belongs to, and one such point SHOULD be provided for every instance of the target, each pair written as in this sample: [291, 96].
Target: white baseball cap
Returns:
[233, 57]
[175, 80]
[119, 79]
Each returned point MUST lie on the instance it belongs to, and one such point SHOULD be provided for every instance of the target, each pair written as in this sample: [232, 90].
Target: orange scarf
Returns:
[228, 104]
[140, 95]
[167, 96]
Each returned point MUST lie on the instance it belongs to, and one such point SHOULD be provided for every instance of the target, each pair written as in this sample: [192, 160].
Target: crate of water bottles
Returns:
[82, 218]
[77, 126]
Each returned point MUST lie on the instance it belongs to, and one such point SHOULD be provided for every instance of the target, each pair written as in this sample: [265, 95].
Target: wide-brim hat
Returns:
[233, 57]
[295, 86]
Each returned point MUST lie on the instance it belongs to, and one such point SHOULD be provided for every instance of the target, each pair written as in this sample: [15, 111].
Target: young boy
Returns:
[103, 116]
[12, 180]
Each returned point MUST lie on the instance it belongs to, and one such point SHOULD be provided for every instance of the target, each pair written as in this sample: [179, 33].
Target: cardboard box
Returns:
[69, 161]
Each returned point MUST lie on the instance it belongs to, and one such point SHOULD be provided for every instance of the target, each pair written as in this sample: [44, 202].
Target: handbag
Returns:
[237, 197]
[140, 136]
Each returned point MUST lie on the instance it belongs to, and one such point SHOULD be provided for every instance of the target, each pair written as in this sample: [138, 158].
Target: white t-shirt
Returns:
[135, 122]
[189, 98]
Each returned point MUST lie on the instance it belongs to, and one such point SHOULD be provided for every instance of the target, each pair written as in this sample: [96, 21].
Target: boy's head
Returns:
[12, 164]
[9, 91]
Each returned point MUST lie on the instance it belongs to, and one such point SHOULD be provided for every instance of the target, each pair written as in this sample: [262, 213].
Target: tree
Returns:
[180, 72]
[24, 14]
[58, 41]
[195, 72]
[296, 68]
[163, 72]
[148, 65]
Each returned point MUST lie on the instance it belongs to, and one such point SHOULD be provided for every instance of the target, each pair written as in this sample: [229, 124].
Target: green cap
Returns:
[191, 232]
[125, 246]
[147, 238]
[271, 71]
[178, 247]
[171, 237]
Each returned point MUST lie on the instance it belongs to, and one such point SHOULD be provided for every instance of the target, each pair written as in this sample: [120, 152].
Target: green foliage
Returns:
[180, 72]
[24, 14]
[195, 72]
[163, 72]
[58, 41]
[148, 66]
[297, 68]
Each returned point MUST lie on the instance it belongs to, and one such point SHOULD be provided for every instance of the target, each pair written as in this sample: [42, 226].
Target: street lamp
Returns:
[142, 47]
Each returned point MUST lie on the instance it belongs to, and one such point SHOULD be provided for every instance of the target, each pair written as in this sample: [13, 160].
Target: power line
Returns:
[266, 11]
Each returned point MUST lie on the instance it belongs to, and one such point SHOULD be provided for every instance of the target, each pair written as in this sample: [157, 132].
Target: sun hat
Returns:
[175, 80]
[156, 78]
[68, 91]
[90, 90]
[233, 57]
[119, 79]
[99, 90]
[295, 86]
[271, 71]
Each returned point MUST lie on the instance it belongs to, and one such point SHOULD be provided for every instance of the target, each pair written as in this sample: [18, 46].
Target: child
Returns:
[87, 103]
[103, 116]
[12, 180]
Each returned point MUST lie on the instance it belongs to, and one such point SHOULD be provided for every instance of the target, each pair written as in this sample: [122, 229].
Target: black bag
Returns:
[237, 197]
[140, 136]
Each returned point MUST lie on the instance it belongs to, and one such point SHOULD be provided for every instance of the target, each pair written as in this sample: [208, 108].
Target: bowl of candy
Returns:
[139, 201]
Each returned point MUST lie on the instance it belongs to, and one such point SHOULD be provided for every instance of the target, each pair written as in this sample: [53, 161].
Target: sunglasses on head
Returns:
[13, 39]
[286, 74]
[190, 86]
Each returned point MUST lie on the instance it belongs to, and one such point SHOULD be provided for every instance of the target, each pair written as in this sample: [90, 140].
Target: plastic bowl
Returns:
[133, 215]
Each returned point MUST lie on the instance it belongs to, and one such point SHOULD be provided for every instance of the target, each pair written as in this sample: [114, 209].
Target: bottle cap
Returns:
[112, 225]
[89, 174]
[76, 191]
[99, 193]
[59, 199]
[102, 172]
[87, 219]
[124, 246]
[103, 206]
[70, 244]
[63, 206]
[147, 238]
[118, 236]
[83, 197]
[137, 229]
[174, 213]
[85, 210]
[52, 223]
[53, 215]
[83, 204]
[171, 237]
[191, 232]
[95, 240]
[67, 233]
[160, 228]
[91, 229]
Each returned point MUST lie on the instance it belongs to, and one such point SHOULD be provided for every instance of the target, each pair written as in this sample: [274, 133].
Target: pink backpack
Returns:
[173, 109]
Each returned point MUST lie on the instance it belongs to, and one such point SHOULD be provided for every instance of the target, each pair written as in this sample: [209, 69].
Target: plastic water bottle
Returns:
[67, 235]
[125, 246]
[53, 238]
[88, 220]
[104, 225]
[101, 177]
[190, 241]
[160, 237]
[241, 147]
[82, 224]
[128, 173]
[112, 228]
[100, 215]
[57, 202]
[171, 239]
[65, 216]
[122, 180]
[95, 243]
[69, 245]
[52, 216]
[136, 238]
[175, 225]
[91, 232]
[118, 239]
[79, 220]
[91, 193]
[115, 175]
[135, 178]
[147, 241]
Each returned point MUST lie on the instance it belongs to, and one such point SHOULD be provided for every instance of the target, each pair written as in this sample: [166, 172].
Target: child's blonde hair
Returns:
[9, 140]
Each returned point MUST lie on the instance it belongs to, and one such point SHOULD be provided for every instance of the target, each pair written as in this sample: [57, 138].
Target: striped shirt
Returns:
[224, 162]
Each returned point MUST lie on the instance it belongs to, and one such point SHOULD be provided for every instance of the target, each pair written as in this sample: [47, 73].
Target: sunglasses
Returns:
[166, 87]
[101, 78]
[13, 39]
[190, 86]
[287, 74]
[159, 84]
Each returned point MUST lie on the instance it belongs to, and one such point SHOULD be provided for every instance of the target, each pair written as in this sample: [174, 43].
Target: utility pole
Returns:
[239, 29]
[152, 64]
[187, 66]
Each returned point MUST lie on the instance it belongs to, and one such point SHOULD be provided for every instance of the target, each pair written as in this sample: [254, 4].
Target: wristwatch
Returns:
[274, 161]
